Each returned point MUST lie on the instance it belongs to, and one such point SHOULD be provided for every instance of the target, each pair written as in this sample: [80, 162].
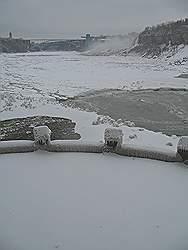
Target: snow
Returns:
[183, 143]
[16, 143]
[183, 148]
[42, 134]
[113, 135]
[177, 54]
[30, 78]
[95, 133]
[30, 83]
[90, 201]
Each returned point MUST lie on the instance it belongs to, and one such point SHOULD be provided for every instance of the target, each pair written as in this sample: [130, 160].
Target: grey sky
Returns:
[72, 18]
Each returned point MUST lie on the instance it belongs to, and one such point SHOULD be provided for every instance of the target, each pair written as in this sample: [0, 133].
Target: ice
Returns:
[42, 135]
[113, 137]
[183, 148]
[43, 77]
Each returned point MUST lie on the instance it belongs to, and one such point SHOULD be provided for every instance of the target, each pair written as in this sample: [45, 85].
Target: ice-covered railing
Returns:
[113, 142]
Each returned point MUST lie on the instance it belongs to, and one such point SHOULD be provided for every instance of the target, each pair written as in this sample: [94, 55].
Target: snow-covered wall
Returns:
[113, 143]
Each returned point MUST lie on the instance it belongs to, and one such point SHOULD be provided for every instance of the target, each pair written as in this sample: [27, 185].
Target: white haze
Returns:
[111, 45]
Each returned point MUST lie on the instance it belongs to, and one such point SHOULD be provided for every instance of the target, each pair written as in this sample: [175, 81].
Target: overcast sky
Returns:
[72, 18]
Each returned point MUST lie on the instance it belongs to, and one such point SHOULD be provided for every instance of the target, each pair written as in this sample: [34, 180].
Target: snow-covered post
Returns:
[42, 135]
[113, 138]
[183, 148]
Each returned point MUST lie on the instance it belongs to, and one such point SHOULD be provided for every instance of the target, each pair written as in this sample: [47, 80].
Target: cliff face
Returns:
[8, 45]
[155, 40]
[64, 45]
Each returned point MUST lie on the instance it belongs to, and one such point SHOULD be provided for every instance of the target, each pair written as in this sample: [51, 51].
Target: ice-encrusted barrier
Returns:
[150, 153]
[17, 146]
[112, 143]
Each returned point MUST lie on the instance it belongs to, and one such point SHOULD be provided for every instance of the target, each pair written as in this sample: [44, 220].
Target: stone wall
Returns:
[8, 45]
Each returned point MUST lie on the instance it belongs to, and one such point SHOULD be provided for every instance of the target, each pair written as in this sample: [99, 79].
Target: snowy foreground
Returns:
[91, 201]
[88, 201]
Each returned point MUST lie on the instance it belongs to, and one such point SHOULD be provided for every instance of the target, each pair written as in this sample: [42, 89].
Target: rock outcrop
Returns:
[9, 45]
[22, 128]
[155, 40]
[64, 45]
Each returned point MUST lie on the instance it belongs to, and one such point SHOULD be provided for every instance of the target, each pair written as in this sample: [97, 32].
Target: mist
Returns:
[111, 45]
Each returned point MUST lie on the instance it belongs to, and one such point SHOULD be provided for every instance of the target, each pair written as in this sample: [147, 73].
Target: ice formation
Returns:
[183, 148]
[42, 135]
[113, 137]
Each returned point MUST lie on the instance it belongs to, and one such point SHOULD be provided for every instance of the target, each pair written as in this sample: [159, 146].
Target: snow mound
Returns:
[177, 55]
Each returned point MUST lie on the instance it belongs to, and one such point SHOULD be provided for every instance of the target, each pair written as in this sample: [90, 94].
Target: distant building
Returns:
[90, 40]
[88, 37]
[10, 35]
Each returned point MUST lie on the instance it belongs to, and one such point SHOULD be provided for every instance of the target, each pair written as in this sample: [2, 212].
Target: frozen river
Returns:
[39, 77]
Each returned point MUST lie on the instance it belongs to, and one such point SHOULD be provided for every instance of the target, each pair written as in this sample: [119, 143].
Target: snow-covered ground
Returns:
[91, 201]
[30, 83]
[44, 75]
[88, 201]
